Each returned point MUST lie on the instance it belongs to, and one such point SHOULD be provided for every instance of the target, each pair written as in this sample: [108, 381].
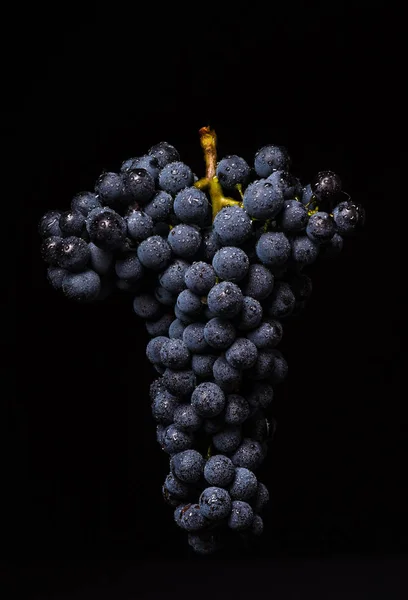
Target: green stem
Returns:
[208, 140]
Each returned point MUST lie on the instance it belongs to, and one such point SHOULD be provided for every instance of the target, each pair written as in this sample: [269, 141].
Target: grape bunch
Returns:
[215, 266]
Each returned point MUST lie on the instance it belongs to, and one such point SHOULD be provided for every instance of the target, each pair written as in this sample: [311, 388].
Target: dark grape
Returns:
[271, 158]
[73, 254]
[139, 185]
[164, 153]
[232, 170]
[82, 287]
[110, 188]
[49, 224]
[154, 253]
[232, 225]
[72, 222]
[175, 176]
[106, 228]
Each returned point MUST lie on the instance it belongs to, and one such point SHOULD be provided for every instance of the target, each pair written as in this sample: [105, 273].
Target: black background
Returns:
[93, 87]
